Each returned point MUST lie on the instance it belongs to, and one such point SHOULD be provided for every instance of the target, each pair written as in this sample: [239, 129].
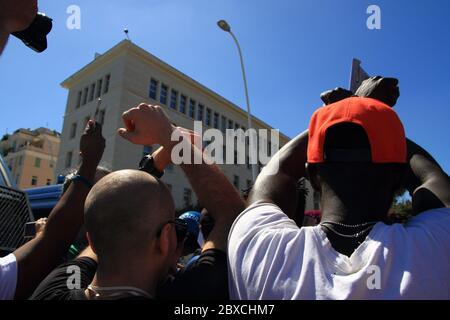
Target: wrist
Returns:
[87, 169]
[161, 158]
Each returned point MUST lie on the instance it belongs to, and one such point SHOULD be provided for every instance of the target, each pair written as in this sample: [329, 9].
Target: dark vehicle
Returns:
[14, 212]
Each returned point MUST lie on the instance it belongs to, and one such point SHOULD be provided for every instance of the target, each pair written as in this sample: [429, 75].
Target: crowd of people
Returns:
[354, 153]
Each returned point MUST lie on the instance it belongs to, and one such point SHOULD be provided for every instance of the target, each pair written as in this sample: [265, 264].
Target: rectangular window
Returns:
[163, 94]
[216, 120]
[183, 101]
[208, 117]
[101, 117]
[49, 182]
[73, 130]
[174, 99]
[192, 104]
[187, 197]
[236, 126]
[153, 89]
[107, 81]
[230, 124]
[224, 124]
[37, 162]
[78, 99]
[99, 88]
[236, 181]
[92, 92]
[34, 181]
[85, 95]
[201, 109]
[69, 159]
[86, 120]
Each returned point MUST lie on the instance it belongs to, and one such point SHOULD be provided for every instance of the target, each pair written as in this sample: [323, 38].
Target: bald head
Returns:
[124, 212]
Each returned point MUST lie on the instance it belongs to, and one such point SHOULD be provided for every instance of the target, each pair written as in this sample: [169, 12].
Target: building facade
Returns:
[31, 156]
[126, 76]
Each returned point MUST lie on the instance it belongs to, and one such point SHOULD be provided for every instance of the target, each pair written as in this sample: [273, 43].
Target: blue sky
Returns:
[294, 50]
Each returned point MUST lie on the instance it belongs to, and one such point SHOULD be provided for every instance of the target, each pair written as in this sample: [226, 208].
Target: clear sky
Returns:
[294, 50]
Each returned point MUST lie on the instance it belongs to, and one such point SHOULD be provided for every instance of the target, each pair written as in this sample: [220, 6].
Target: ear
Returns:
[312, 176]
[88, 236]
[164, 243]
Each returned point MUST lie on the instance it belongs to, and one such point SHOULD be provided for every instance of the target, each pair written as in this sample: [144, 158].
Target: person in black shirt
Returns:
[129, 217]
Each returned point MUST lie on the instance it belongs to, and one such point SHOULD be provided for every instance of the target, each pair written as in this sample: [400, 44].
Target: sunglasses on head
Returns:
[181, 229]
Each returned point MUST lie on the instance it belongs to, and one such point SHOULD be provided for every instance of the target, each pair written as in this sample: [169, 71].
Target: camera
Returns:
[35, 36]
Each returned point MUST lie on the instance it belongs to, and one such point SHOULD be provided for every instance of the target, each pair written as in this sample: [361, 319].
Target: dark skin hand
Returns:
[37, 258]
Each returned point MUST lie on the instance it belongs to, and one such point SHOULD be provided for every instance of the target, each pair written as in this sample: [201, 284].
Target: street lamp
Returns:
[226, 27]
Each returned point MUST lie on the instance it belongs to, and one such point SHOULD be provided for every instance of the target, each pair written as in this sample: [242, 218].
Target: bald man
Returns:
[130, 220]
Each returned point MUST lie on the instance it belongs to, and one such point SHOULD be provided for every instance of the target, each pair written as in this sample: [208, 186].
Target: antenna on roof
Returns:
[126, 34]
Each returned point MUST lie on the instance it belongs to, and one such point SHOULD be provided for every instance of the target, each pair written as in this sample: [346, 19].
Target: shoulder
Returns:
[65, 281]
[205, 279]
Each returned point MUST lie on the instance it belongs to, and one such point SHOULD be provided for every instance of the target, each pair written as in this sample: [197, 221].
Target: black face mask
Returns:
[35, 36]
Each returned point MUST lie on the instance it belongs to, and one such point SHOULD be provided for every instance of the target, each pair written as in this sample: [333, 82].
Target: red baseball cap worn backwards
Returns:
[381, 123]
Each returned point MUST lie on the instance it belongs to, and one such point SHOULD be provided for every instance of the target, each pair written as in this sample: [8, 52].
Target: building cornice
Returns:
[126, 46]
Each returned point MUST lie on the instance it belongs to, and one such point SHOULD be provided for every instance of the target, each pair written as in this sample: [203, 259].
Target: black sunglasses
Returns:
[181, 229]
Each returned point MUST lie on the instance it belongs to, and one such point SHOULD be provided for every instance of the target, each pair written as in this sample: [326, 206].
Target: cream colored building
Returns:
[126, 76]
[31, 156]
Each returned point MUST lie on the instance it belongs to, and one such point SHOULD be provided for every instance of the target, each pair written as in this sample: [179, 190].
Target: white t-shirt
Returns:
[8, 277]
[269, 257]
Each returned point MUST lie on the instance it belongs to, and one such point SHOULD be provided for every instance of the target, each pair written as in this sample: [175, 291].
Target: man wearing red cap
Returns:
[357, 158]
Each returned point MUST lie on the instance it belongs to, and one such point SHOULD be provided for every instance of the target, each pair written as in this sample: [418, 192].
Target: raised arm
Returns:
[38, 257]
[280, 188]
[427, 183]
[148, 125]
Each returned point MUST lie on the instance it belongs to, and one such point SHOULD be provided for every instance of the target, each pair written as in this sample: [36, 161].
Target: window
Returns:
[236, 126]
[86, 120]
[201, 109]
[249, 166]
[92, 92]
[236, 181]
[153, 89]
[85, 95]
[192, 104]
[183, 101]
[187, 197]
[216, 120]
[163, 94]
[230, 124]
[49, 182]
[107, 81]
[78, 99]
[73, 130]
[173, 99]
[101, 117]
[34, 181]
[37, 162]
[208, 117]
[99, 88]
[224, 124]
[69, 159]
